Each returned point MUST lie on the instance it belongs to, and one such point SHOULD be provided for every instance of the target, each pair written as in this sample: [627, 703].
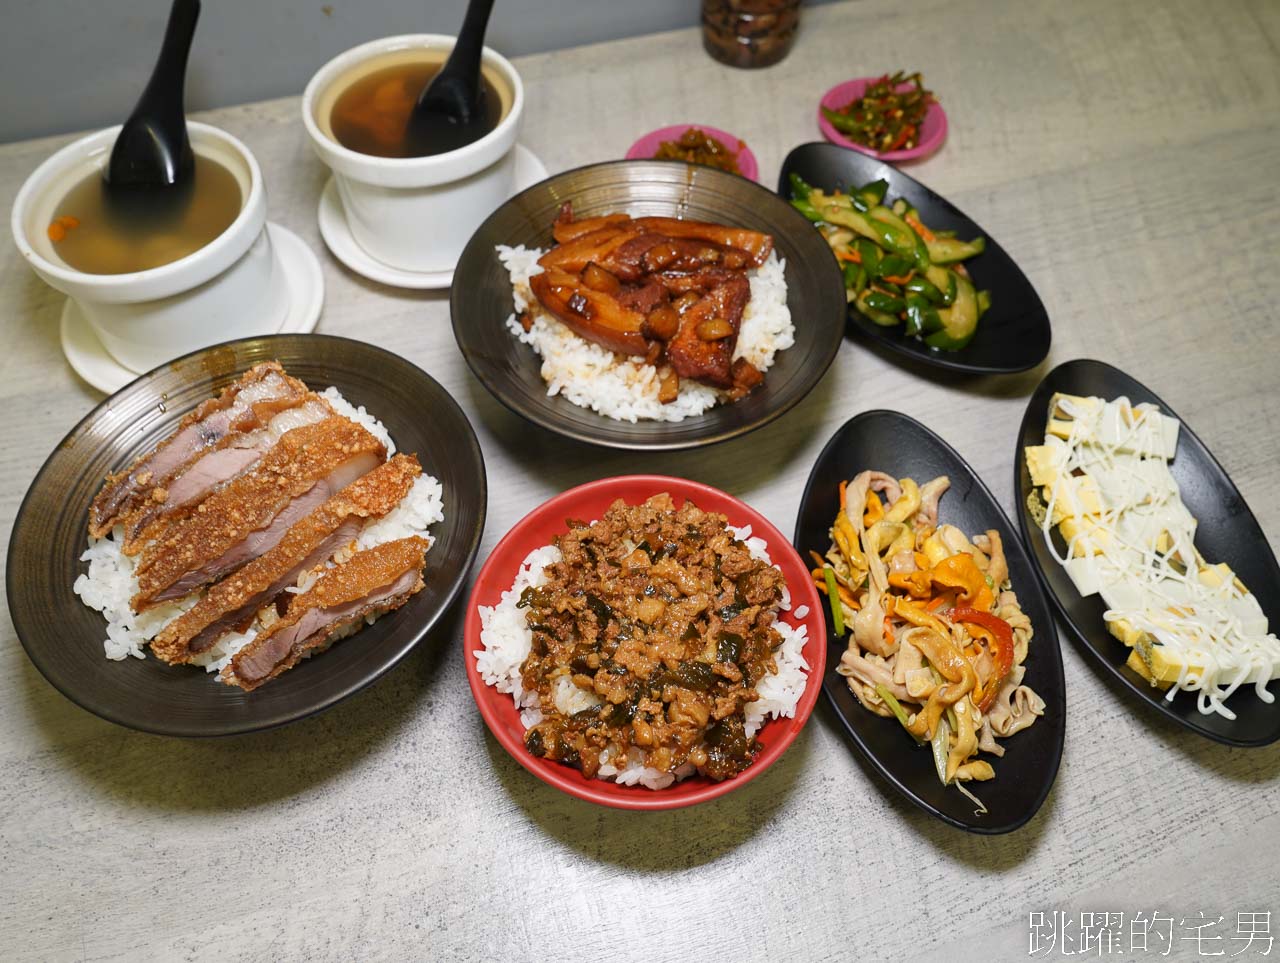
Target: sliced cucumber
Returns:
[847, 217]
[904, 240]
[959, 322]
[944, 280]
[947, 250]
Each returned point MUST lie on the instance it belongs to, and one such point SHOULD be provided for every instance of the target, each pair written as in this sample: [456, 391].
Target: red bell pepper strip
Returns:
[1002, 650]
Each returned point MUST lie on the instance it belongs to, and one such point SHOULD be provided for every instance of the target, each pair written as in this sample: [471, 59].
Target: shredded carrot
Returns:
[844, 497]
[900, 279]
[850, 255]
[919, 228]
[817, 558]
[888, 631]
[873, 511]
[935, 603]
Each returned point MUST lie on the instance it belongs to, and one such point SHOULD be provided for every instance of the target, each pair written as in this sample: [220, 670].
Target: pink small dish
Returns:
[932, 133]
[647, 146]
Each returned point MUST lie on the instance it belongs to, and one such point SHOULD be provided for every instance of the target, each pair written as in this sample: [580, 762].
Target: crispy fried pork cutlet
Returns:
[250, 515]
[371, 583]
[247, 405]
[211, 470]
[233, 602]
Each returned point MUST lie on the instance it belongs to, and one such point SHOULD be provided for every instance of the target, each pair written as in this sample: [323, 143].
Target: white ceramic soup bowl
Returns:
[233, 287]
[414, 213]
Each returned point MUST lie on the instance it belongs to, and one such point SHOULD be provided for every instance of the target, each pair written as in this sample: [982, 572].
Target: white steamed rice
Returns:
[110, 581]
[627, 389]
[506, 639]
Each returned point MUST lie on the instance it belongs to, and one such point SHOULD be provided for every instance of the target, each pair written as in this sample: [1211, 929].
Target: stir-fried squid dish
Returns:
[936, 637]
[1103, 479]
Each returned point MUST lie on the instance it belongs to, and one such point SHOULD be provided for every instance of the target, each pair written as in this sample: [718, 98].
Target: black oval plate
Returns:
[480, 302]
[64, 638]
[1227, 532]
[902, 447]
[1013, 335]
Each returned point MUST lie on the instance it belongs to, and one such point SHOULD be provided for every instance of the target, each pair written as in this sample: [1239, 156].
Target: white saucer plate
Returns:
[337, 236]
[91, 361]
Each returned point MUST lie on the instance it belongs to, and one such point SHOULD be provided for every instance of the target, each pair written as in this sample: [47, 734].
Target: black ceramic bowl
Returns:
[1227, 532]
[1013, 335]
[481, 298]
[64, 638]
[902, 447]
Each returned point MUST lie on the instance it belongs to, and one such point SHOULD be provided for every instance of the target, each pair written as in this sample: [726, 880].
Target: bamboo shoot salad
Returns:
[936, 638]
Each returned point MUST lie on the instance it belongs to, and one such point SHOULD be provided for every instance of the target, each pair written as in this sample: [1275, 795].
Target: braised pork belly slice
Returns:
[247, 405]
[566, 229]
[211, 470]
[594, 315]
[231, 603]
[755, 243]
[694, 353]
[370, 584]
[595, 246]
[250, 515]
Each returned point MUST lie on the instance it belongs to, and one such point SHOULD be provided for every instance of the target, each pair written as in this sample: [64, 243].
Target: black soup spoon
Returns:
[451, 110]
[152, 152]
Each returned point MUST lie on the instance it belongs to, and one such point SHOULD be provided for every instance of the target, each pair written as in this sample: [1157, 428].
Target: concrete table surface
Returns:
[1126, 155]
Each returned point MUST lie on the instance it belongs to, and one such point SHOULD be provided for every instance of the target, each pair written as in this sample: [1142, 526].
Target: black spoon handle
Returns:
[466, 52]
[164, 91]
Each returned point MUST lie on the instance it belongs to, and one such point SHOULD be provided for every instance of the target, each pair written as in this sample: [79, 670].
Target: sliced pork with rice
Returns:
[261, 494]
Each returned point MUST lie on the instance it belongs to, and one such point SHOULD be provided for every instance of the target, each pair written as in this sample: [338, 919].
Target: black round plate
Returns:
[1227, 532]
[1013, 335]
[64, 638]
[481, 296]
[902, 447]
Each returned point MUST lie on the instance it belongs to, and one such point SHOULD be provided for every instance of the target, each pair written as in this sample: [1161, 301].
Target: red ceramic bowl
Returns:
[932, 133]
[647, 146]
[538, 528]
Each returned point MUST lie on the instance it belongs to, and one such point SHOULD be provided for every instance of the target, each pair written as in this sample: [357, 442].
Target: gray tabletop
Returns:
[1126, 155]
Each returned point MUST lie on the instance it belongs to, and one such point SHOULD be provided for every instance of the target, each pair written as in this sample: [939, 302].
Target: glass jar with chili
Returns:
[749, 33]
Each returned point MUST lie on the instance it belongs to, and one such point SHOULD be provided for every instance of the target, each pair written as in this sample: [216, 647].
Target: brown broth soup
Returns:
[97, 233]
[371, 115]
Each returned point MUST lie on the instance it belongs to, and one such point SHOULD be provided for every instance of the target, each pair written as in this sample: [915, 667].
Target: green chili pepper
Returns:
[833, 596]
[888, 303]
[800, 190]
[806, 208]
[922, 286]
[918, 316]
[881, 318]
[855, 277]
[843, 122]
[870, 253]
[893, 266]
[875, 190]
